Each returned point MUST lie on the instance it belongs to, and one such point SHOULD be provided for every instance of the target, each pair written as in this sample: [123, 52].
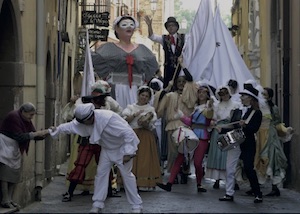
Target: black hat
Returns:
[171, 19]
[250, 90]
[232, 83]
[100, 89]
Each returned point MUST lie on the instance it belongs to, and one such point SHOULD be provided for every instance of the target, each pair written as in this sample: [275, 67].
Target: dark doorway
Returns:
[11, 68]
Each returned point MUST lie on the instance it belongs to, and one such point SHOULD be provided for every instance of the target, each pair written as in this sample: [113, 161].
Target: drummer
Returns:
[250, 122]
[232, 157]
[199, 121]
[172, 105]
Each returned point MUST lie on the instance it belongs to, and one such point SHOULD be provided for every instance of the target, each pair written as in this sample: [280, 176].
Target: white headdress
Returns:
[102, 87]
[146, 87]
[158, 81]
[201, 83]
[118, 19]
[219, 89]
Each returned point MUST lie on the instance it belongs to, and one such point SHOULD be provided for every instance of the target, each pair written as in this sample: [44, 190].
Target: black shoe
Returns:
[258, 199]
[7, 205]
[67, 197]
[274, 192]
[250, 192]
[184, 179]
[201, 189]
[166, 187]
[15, 205]
[226, 198]
[64, 194]
[236, 187]
[216, 185]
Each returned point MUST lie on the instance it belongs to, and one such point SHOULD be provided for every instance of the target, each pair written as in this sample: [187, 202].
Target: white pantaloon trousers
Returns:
[231, 163]
[107, 159]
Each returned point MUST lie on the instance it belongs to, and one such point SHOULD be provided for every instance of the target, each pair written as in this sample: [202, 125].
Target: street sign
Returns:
[91, 17]
[96, 34]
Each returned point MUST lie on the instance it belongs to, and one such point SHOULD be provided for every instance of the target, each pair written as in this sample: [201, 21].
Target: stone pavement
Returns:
[5, 210]
[184, 198]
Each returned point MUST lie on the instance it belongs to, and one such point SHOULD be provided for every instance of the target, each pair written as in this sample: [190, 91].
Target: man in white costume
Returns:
[118, 144]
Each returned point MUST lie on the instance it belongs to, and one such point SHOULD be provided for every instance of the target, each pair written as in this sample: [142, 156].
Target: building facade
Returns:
[37, 59]
[267, 35]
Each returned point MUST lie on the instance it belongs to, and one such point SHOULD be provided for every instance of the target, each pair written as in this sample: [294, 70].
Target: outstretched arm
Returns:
[187, 74]
[148, 21]
[72, 127]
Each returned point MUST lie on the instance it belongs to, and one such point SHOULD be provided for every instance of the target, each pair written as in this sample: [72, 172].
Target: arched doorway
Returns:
[11, 63]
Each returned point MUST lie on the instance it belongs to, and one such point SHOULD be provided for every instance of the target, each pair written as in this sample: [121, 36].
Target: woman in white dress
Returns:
[141, 117]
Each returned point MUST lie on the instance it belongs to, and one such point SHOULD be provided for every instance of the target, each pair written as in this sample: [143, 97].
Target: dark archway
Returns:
[49, 119]
[11, 62]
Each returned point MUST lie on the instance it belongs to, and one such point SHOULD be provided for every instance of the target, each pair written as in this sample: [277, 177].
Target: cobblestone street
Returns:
[184, 198]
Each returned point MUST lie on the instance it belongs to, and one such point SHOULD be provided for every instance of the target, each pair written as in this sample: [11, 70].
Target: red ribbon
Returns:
[129, 61]
[172, 39]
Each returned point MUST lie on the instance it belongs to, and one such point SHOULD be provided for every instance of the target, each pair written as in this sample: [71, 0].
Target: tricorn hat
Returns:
[171, 19]
[100, 88]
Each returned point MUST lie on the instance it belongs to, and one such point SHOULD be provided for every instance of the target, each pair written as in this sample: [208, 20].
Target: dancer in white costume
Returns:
[118, 144]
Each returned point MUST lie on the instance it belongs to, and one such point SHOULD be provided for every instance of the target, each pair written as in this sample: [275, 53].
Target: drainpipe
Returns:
[40, 78]
[286, 82]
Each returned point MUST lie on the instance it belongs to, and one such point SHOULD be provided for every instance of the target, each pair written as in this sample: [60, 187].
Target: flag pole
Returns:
[176, 70]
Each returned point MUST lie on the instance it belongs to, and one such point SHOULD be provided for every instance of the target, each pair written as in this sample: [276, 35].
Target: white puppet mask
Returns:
[127, 23]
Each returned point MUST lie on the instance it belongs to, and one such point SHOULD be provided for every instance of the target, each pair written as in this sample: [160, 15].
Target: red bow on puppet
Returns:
[129, 61]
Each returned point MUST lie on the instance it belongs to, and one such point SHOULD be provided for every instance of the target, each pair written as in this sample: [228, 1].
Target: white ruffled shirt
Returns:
[223, 109]
[134, 108]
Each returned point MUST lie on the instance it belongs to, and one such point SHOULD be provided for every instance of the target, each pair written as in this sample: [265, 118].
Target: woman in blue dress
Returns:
[199, 121]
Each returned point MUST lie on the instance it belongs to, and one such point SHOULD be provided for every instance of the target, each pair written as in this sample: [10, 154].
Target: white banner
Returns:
[88, 72]
[200, 43]
[227, 61]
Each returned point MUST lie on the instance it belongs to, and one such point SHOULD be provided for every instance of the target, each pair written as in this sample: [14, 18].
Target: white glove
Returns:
[179, 114]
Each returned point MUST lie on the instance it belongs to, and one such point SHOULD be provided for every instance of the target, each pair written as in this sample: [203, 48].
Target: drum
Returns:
[231, 139]
[186, 139]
